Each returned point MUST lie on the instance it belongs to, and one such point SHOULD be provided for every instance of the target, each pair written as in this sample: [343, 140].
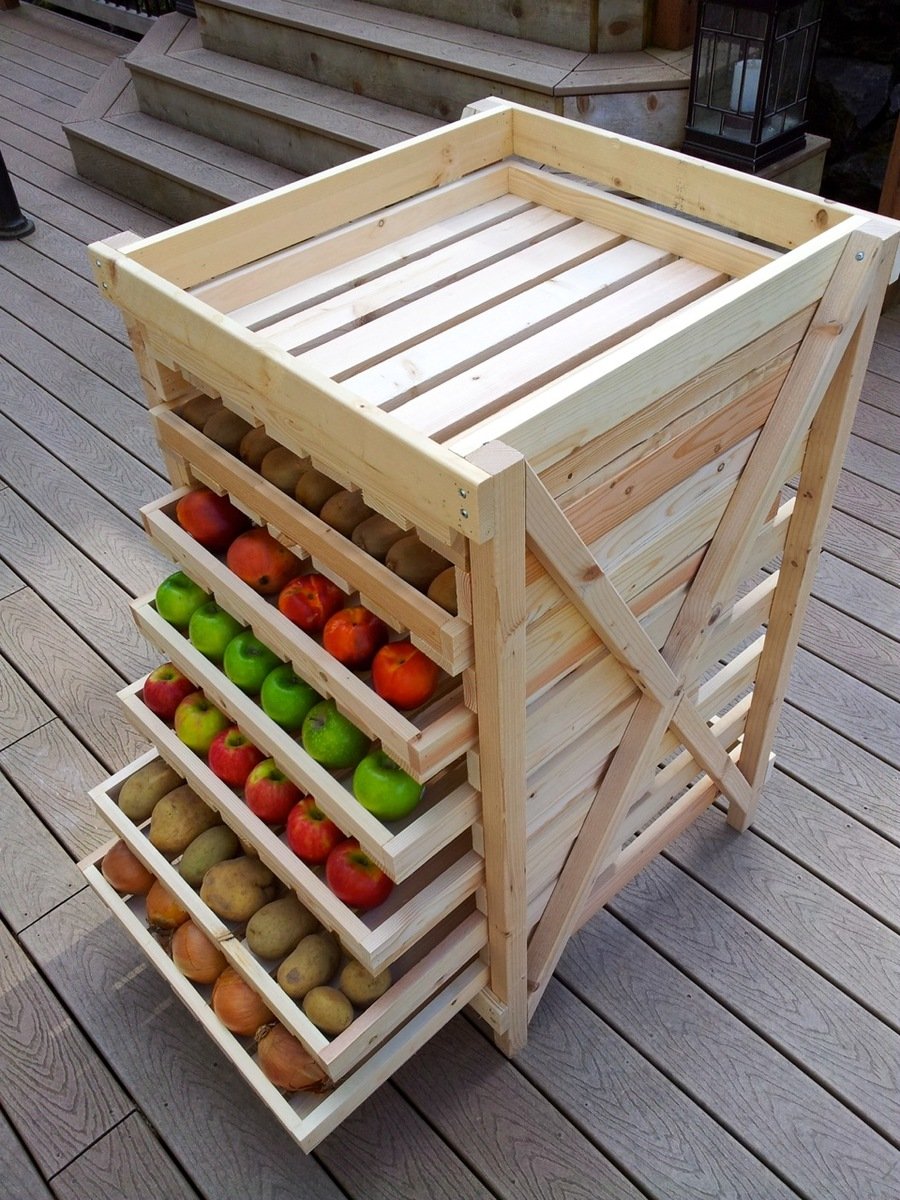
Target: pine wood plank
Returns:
[847, 705]
[665, 1143]
[854, 1055]
[476, 1099]
[124, 1164]
[181, 1082]
[817, 914]
[873, 462]
[68, 671]
[19, 1172]
[845, 774]
[54, 772]
[38, 874]
[755, 1089]
[21, 709]
[55, 1090]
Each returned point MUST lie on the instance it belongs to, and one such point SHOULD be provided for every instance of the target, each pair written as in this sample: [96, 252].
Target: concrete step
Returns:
[437, 67]
[300, 124]
[171, 170]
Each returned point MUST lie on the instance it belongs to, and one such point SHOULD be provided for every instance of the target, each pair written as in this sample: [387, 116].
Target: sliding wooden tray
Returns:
[376, 938]
[584, 369]
[307, 1117]
[448, 807]
[418, 975]
[423, 745]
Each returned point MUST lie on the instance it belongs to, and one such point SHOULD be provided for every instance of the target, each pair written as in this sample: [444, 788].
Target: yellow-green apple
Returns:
[178, 598]
[247, 661]
[197, 721]
[287, 698]
[384, 789]
[232, 756]
[331, 739]
[270, 794]
[210, 630]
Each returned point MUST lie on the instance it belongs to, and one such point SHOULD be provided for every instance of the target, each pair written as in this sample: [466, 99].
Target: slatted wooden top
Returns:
[730, 1027]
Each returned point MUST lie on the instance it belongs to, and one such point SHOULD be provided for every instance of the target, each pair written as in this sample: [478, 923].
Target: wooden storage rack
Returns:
[582, 368]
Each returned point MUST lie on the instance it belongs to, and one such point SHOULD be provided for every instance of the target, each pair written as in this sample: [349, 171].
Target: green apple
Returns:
[384, 788]
[178, 598]
[197, 721]
[247, 661]
[287, 698]
[331, 739]
[211, 629]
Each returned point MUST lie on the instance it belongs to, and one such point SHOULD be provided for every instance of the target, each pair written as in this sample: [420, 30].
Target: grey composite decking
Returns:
[729, 1027]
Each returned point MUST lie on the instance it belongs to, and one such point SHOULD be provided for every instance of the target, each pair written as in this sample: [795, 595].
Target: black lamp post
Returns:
[750, 80]
[13, 222]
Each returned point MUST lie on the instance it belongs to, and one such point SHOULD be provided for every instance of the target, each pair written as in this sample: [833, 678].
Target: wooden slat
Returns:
[128, 1160]
[21, 708]
[858, 650]
[20, 1173]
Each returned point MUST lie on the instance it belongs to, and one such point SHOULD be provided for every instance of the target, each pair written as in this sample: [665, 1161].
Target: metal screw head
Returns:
[463, 512]
[463, 493]
[860, 255]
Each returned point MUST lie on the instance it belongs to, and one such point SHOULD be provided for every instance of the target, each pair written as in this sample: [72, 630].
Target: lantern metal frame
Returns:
[750, 80]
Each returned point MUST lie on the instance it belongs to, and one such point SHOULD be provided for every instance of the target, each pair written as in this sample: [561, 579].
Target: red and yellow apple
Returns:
[353, 635]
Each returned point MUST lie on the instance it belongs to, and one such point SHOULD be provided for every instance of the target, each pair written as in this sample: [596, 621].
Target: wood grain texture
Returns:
[189, 1092]
[54, 772]
[869, 502]
[882, 392]
[878, 426]
[856, 592]
[853, 1054]
[128, 1163]
[664, 1141]
[516, 1141]
[9, 580]
[21, 708]
[19, 1173]
[844, 773]
[777, 1110]
[37, 873]
[758, 876]
[81, 686]
[858, 542]
[856, 649]
[873, 462]
[84, 595]
[54, 1088]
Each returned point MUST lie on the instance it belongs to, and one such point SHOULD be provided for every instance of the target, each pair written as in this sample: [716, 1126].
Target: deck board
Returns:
[729, 1027]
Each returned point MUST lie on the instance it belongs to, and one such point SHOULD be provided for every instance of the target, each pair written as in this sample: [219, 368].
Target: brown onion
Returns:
[164, 912]
[124, 871]
[195, 955]
[237, 1005]
[287, 1063]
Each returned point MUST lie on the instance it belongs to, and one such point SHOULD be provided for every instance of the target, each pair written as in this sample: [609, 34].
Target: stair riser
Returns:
[591, 26]
[298, 148]
[174, 198]
[425, 87]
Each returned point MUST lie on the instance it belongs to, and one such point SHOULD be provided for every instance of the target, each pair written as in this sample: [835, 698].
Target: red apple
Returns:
[269, 794]
[232, 756]
[212, 520]
[309, 600]
[355, 878]
[353, 635]
[310, 834]
[403, 675]
[164, 689]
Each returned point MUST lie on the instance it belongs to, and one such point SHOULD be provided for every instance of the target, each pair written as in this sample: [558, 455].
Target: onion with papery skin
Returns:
[164, 912]
[287, 1063]
[123, 870]
[195, 955]
[237, 1005]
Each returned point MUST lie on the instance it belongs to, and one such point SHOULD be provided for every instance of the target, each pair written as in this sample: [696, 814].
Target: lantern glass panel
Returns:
[750, 24]
[718, 17]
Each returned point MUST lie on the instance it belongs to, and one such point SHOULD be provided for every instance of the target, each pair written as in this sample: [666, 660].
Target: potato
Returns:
[237, 888]
[344, 510]
[227, 430]
[198, 411]
[442, 590]
[415, 562]
[209, 847]
[313, 489]
[376, 535]
[282, 468]
[254, 447]
[313, 962]
[178, 818]
[361, 986]
[276, 929]
[328, 1009]
[141, 791]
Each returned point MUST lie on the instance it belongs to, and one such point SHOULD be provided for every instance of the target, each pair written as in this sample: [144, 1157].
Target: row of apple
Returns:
[400, 673]
[343, 509]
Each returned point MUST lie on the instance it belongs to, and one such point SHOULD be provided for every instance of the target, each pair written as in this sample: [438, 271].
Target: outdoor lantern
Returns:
[753, 62]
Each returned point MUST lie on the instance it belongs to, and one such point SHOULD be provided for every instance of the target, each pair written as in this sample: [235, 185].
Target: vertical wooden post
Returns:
[498, 604]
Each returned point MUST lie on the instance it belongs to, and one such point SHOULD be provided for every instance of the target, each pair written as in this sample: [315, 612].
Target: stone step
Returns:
[432, 66]
[300, 124]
